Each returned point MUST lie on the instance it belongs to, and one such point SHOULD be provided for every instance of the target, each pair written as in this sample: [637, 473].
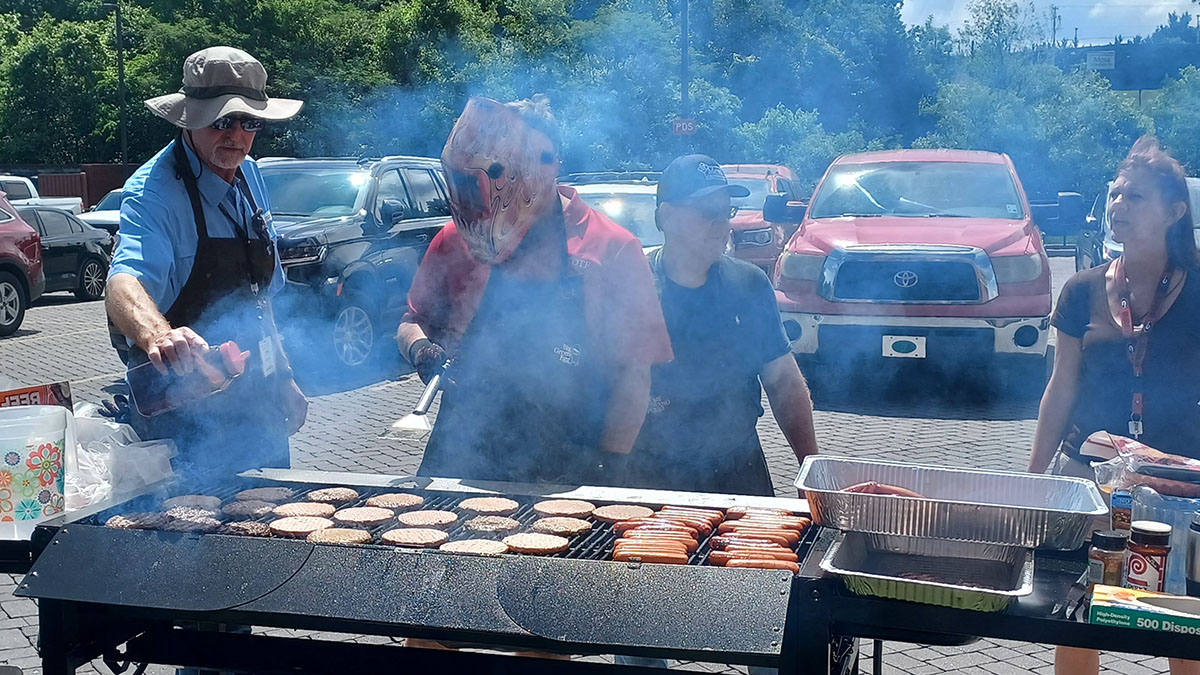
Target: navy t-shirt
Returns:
[705, 404]
[1171, 371]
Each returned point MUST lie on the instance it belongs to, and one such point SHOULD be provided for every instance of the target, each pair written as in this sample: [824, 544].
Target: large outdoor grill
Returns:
[100, 587]
[149, 596]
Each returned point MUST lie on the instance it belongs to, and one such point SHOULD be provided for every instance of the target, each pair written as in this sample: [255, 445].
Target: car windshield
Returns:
[918, 189]
[759, 189]
[313, 191]
[110, 202]
[632, 211]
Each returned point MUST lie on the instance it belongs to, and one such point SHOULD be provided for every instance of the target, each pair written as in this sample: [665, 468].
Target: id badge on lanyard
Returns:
[1137, 343]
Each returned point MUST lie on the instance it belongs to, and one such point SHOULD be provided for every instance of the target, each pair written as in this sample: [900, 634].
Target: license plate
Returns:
[904, 346]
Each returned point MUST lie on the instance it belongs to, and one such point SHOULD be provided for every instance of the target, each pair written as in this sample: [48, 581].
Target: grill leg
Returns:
[877, 657]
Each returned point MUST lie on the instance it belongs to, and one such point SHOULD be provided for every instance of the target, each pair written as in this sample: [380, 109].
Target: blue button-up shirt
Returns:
[158, 231]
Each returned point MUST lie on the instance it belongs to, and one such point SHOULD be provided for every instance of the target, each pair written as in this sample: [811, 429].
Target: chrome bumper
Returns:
[805, 329]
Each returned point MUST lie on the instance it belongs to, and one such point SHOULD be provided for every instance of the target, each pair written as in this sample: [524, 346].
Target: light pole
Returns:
[116, 6]
[684, 75]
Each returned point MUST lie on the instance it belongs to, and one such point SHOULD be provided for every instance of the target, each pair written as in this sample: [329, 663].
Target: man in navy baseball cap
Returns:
[700, 432]
[693, 177]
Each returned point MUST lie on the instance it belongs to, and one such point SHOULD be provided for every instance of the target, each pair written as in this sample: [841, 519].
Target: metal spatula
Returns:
[416, 423]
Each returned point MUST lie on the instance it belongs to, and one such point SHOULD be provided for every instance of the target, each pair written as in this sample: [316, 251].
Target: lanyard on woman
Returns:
[1137, 343]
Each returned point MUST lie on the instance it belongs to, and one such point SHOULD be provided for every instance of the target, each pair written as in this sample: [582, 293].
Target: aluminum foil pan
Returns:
[988, 507]
[962, 575]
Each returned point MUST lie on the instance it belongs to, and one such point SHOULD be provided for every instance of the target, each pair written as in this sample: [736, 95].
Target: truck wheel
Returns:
[355, 333]
[91, 280]
[12, 304]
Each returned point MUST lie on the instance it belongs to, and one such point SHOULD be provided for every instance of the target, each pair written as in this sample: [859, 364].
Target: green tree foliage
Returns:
[1176, 115]
[789, 81]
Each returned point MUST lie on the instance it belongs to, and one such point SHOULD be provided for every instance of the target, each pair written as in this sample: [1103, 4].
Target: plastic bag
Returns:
[111, 461]
[1136, 462]
[1176, 512]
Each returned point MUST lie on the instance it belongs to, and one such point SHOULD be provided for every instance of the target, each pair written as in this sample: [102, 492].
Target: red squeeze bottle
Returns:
[154, 393]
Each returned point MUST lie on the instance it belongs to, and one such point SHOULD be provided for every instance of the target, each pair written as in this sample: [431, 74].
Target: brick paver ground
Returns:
[860, 417]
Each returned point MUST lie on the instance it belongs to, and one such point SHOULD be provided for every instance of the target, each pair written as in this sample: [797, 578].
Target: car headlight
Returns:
[304, 251]
[1012, 269]
[759, 237]
[801, 267]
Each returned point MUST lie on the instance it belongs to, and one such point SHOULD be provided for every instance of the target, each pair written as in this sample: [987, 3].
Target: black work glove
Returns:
[427, 357]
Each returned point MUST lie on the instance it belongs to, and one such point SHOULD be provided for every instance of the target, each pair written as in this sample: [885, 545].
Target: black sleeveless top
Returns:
[1171, 380]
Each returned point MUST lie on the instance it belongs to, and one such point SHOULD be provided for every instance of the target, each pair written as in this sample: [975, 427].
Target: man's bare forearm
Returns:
[627, 406]
[408, 333]
[132, 310]
[791, 402]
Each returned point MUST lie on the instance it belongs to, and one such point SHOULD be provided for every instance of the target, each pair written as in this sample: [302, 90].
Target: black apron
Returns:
[699, 434]
[527, 394]
[243, 427]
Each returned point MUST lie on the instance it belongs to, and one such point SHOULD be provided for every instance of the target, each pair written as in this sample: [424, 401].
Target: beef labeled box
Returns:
[55, 393]
[1135, 608]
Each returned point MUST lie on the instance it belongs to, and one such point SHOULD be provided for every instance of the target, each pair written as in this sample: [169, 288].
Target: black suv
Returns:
[75, 255]
[351, 235]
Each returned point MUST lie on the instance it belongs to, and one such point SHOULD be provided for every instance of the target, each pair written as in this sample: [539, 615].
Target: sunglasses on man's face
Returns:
[249, 124]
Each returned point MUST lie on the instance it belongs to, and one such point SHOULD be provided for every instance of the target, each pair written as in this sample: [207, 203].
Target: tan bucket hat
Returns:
[221, 81]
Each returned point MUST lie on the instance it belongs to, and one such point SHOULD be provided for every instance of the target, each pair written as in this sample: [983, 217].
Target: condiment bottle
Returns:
[1193, 559]
[1121, 503]
[154, 393]
[1106, 558]
[1146, 562]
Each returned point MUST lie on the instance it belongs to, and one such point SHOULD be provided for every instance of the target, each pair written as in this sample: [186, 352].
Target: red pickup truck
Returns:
[754, 239]
[917, 254]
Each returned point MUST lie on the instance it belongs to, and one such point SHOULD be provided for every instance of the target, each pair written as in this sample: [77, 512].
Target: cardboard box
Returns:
[1135, 608]
[55, 393]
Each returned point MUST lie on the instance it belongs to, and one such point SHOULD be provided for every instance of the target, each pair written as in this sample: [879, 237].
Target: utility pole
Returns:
[1077, 37]
[684, 76]
[116, 6]
[121, 90]
[1054, 25]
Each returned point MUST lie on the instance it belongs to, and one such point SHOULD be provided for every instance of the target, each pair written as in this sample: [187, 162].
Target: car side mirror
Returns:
[777, 209]
[1071, 211]
[390, 212]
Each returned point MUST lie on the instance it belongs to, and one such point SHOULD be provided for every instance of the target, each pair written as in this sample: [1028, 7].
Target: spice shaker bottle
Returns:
[1193, 557]
[154, 393]
[1146, 562]
[1106, 558]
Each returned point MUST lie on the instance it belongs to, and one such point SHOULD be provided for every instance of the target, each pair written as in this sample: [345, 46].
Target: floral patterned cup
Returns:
[33, 449]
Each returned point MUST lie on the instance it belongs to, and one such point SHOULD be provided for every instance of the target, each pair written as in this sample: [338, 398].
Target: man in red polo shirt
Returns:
[546, 308]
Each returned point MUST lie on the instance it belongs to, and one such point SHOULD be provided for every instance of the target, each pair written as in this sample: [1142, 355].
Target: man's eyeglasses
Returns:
[249, 124]
[716, 216]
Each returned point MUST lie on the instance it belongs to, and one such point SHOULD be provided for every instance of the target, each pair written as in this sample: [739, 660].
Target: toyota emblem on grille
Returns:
[905, 279]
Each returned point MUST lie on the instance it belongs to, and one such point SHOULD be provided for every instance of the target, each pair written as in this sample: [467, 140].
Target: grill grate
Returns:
[594, 545]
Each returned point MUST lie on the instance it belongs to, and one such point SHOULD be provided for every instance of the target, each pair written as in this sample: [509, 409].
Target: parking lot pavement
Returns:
[925, 422]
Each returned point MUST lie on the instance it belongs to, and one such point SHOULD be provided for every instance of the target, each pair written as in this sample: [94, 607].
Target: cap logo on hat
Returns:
[711, 172]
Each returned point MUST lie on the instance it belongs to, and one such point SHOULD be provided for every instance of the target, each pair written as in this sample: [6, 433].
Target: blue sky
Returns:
[1098, 20]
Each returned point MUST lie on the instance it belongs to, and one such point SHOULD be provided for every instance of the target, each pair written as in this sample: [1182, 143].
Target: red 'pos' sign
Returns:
[684, 126]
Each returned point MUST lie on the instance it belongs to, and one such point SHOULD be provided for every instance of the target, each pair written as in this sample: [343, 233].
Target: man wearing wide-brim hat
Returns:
[196, 265]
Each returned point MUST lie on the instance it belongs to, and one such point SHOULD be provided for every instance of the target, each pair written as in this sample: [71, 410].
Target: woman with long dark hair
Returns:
[1127, 357]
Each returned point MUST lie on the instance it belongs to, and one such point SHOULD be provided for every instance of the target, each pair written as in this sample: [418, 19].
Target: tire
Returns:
[91, 279]
[355, 334]
[12, 303]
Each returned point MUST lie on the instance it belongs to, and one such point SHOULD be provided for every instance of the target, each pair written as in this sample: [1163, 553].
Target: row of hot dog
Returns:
[738, 537]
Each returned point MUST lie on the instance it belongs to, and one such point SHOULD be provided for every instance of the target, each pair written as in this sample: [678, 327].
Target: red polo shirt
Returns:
[619, 302]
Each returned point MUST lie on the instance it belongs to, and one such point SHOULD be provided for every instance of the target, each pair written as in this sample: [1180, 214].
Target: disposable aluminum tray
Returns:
[962, 575]
[987, 507]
